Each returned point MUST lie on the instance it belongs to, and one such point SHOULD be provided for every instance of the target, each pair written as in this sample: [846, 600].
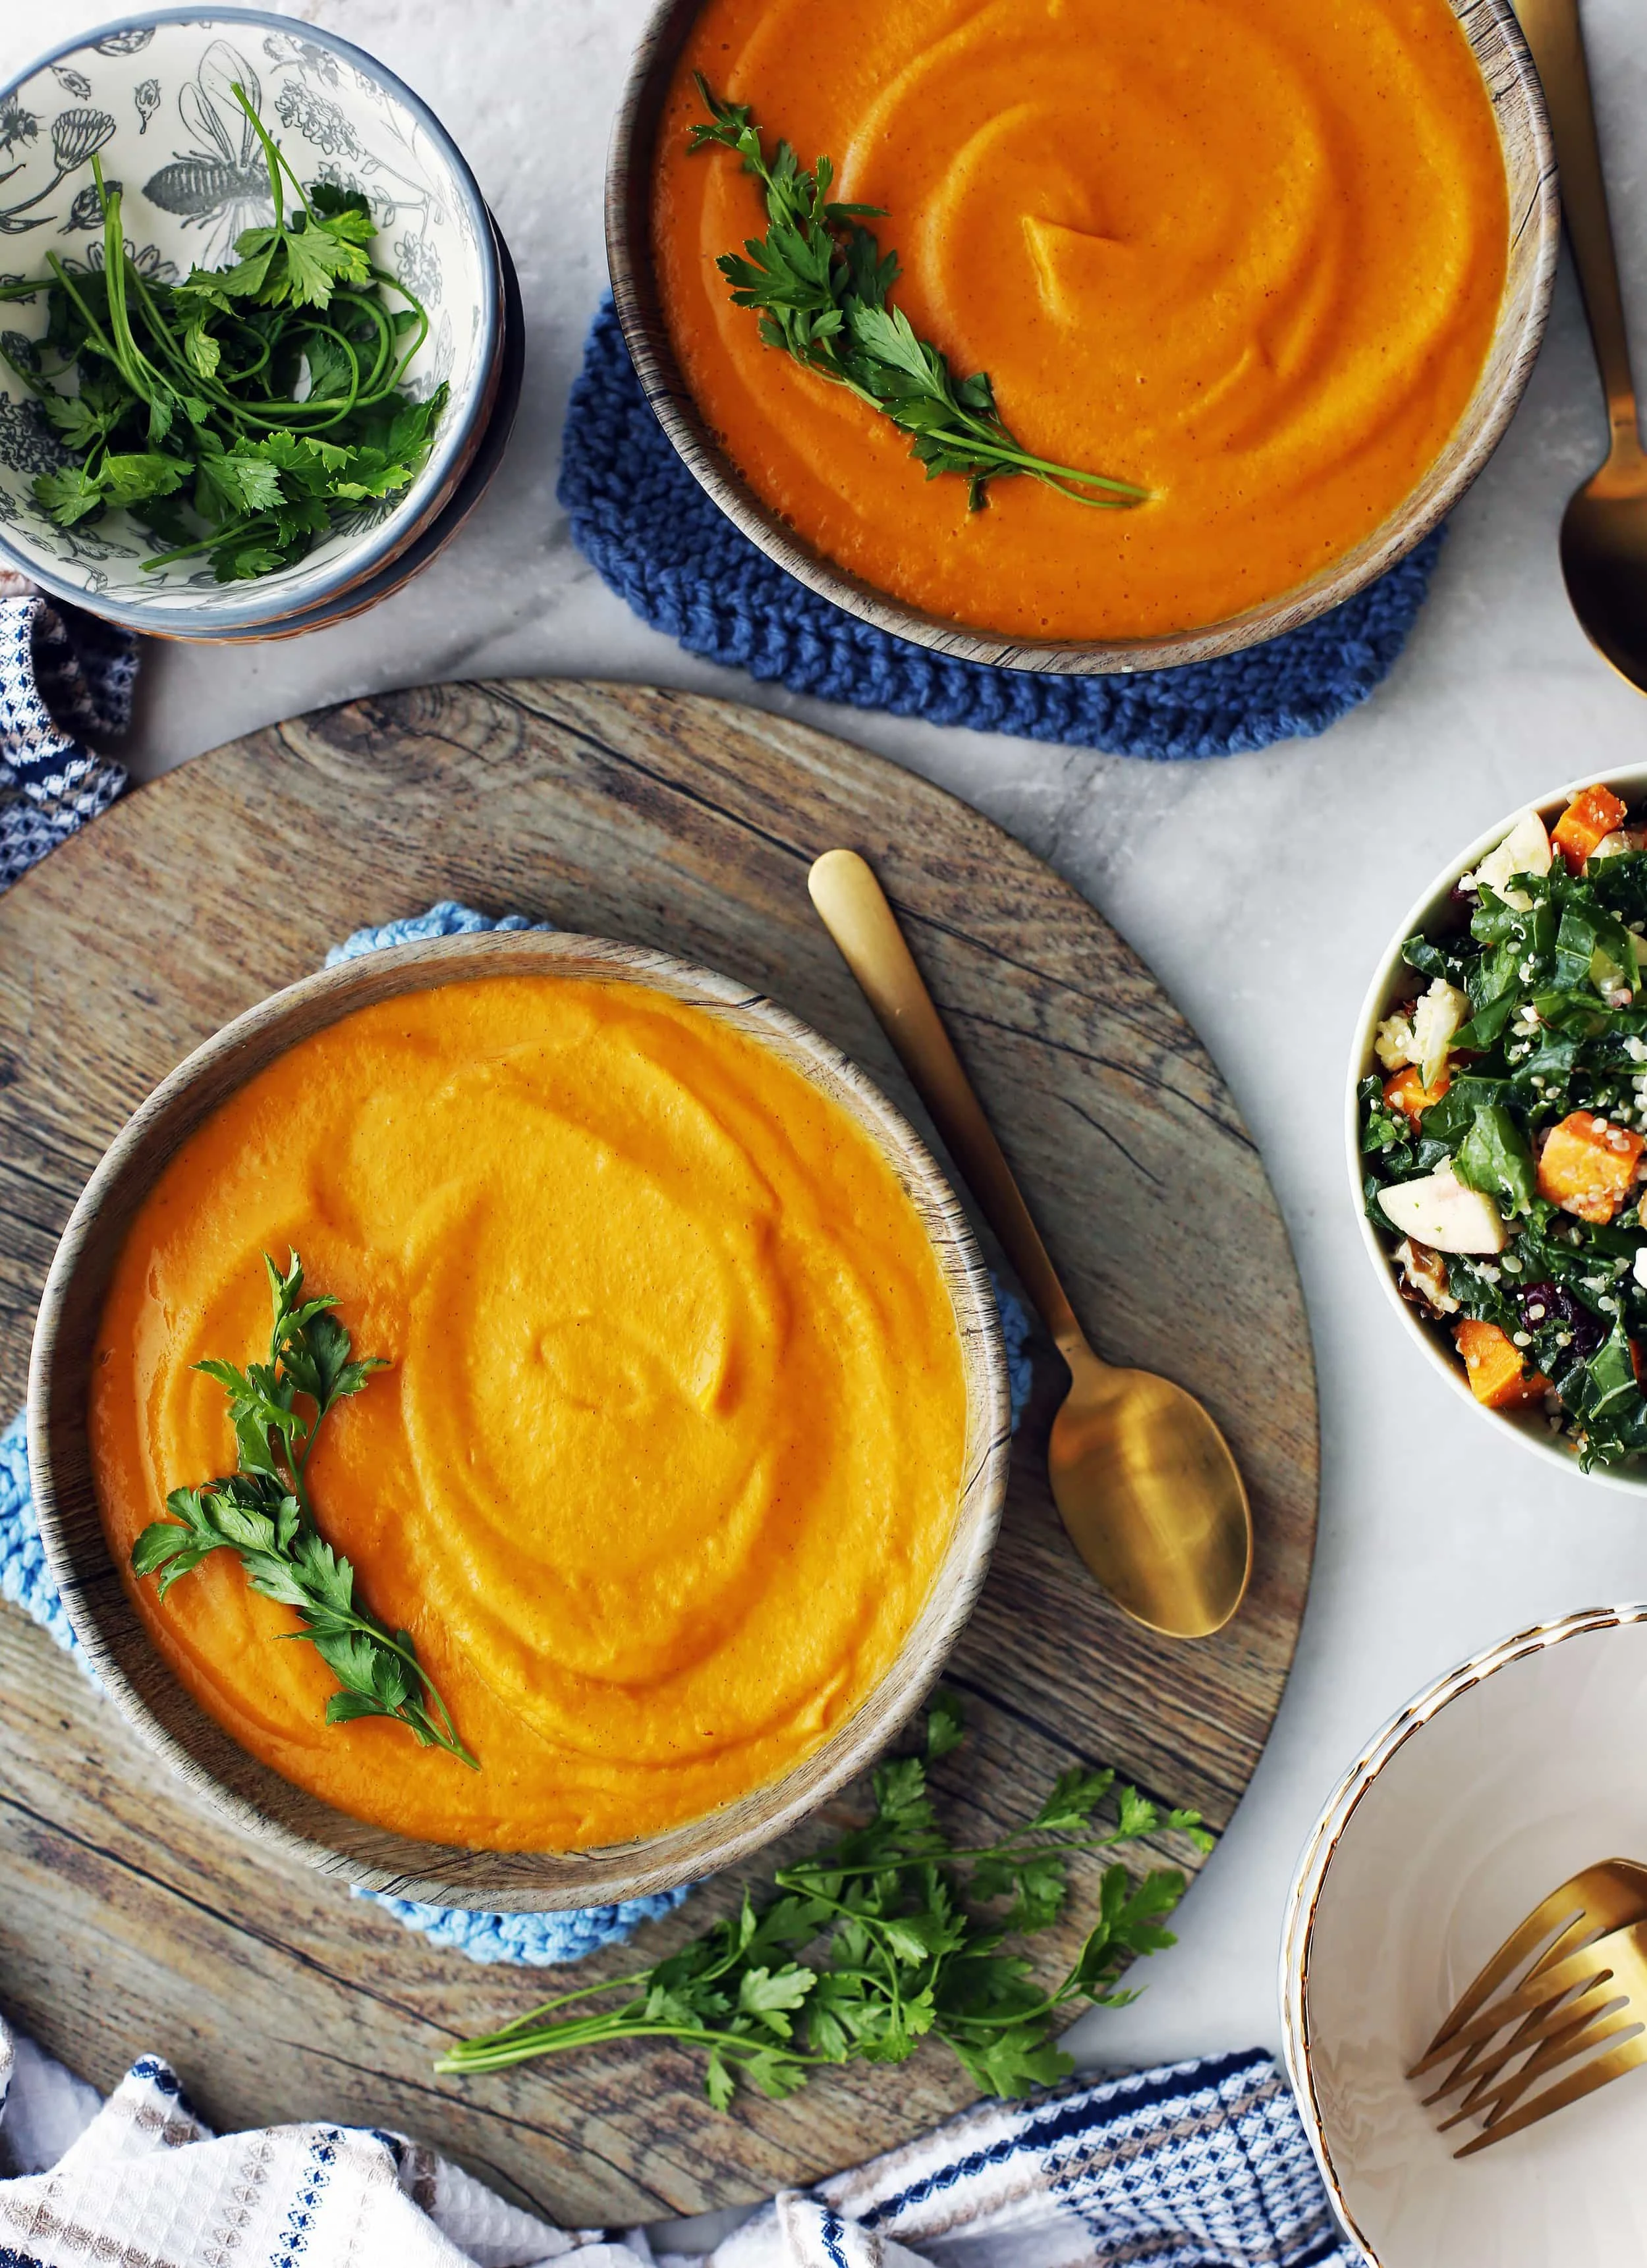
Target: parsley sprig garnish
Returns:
[820, 281]
[243, 412]
[904, 1936]
[262, 1512]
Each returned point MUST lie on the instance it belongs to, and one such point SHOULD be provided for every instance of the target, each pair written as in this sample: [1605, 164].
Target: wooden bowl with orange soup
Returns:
[1282, 265]
[684, 1466]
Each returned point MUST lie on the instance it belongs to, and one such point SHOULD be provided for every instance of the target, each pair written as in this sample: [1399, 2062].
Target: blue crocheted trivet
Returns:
[541, 1940]
[654, 536]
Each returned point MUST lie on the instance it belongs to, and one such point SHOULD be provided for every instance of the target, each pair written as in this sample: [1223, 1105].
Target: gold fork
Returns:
[1587, 1983]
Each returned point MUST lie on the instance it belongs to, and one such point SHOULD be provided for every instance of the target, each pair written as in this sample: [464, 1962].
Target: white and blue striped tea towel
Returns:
[1200, 2165]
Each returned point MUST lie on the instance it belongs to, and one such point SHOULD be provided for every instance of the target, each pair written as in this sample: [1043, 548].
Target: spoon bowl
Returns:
[1151, 1497]
[1604, 534]
[1604, 559]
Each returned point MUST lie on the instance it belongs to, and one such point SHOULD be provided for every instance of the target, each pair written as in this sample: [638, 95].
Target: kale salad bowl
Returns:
[1498, 1124]
[251, 320]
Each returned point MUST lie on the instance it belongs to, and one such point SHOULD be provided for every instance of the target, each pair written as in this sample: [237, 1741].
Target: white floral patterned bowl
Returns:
[151, 96]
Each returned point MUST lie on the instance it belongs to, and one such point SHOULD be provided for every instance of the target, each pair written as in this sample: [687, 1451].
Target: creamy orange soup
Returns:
[1247, 254]
[672, 1439]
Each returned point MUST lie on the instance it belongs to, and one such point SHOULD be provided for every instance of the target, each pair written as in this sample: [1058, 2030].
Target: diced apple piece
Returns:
[1496, 1373]
[1588, 819]
[1440, 1212]
[1407, 1091]
[1587, 1165]
[1525, 849]
[1437, 1016]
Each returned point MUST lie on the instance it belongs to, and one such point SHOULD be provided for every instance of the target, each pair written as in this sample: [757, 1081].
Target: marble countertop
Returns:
[1437, 1533]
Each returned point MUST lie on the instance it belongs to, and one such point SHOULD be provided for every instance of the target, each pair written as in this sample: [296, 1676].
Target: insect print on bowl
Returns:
[131, 42]
[77, 136]
[222, 184]
[146, 96]
[87, 211]
[72, 82]
[18, 128]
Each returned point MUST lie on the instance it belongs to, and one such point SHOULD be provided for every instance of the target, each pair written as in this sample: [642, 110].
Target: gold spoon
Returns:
[1144, 1479]
[1604, 534]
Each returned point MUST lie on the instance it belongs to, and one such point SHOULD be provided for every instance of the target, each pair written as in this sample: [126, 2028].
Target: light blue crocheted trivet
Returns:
[532, 1940]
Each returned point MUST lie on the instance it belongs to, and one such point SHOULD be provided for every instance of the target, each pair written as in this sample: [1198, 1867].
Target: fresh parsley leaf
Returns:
[261, 1512]
[170, 395]
[905, 1947]
[818, 284]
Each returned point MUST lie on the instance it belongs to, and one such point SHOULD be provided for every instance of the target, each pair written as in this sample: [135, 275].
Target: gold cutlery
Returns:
[1604, 534]
[1587, 1944]
[1143, 1478]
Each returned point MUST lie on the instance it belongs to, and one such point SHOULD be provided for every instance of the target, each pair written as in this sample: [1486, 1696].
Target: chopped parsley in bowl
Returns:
[1503, 1134]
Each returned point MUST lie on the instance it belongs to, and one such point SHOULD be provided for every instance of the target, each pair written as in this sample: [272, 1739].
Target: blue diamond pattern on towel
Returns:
[63, 675]
[653, 536]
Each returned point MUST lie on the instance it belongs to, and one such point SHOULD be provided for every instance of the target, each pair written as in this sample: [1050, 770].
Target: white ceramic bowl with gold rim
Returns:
[1513, 1772]
[1393, 978]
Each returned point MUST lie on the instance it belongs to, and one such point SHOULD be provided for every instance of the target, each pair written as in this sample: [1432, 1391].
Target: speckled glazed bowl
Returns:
[151, 97]
[1387, 985]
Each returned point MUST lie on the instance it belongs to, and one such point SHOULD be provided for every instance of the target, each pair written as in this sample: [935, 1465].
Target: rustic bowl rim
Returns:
[302, 1826]
[240, 607]
[1528, 1427]
[1521, 316]
[1321, 1846]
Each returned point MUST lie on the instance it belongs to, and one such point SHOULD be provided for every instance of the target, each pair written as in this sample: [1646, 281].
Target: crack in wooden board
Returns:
[131, 1922]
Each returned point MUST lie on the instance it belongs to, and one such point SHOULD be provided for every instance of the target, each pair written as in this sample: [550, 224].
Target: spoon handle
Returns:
[1556, 37]
[853, 909]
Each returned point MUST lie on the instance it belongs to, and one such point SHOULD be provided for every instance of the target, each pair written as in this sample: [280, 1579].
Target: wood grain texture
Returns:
[1523, 134]
[251, 1795]
[131, 1919]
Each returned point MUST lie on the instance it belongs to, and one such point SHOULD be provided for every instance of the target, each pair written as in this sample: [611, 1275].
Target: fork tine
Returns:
[1480, 2075]
[1567, 1907]
[1563, 2048]
[1530, 1999]
[1560, 1907]
[1628, 2056]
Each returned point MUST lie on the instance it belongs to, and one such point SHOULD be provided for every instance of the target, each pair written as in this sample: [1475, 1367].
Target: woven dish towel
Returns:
[1201, 2165]
[641, 519]
[64, 676]
[534, 1941]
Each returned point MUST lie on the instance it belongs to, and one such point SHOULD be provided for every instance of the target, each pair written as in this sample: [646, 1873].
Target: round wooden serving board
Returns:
[129, 1921]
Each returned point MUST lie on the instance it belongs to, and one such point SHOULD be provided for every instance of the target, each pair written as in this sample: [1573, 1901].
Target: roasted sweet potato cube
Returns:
[1406, 1091]
[1497, 1373]
[1587, 818]
[1587, 1165]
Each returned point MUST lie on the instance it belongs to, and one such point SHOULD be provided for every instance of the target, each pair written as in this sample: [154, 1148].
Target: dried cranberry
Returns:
[1552, 1305]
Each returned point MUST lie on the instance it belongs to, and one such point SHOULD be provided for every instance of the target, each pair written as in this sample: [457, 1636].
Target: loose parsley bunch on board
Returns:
[245, 411]
[1554, 972]
[262, 1514]
[903, 1935]
[820, 282]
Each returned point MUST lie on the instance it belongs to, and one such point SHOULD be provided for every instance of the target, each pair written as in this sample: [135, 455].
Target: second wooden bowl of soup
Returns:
[1284, 267]
[684, 1465]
